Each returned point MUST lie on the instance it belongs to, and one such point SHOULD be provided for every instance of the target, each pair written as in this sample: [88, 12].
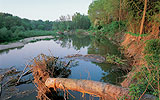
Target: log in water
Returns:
[104, 90]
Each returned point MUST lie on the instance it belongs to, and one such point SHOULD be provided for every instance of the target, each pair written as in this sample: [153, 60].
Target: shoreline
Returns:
[22, 42]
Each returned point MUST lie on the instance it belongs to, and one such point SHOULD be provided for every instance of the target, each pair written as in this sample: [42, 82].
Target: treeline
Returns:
[77, 21]
[13, 27]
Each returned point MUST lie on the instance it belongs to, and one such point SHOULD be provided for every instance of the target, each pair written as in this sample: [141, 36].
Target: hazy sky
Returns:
[44, 9]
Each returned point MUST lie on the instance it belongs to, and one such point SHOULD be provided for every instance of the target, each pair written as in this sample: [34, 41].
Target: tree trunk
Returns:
[143, 19]
[104, 90]
[119, 13]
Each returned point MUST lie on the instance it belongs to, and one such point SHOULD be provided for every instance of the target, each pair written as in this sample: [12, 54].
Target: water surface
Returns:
[72, 44]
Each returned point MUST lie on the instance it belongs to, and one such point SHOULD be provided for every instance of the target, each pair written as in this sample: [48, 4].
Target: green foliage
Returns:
[78, 21]
[113, 59]
[13, 27]
[135, 10]
[62, 25]
[113, 27]
[80, 31]
[78, 41]
[153, 46]
[33, 33]
[137, 35]
[148, 77]
[123, 98]
[5, 34]
[104, 11]
[109, 30]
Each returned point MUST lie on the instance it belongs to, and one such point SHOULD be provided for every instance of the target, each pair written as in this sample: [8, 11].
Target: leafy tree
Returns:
[80, 21]
[102, 12]
[12, 27]
[4, 34]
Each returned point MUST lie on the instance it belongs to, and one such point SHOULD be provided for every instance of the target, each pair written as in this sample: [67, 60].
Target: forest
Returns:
[133, 25]
[15, 28]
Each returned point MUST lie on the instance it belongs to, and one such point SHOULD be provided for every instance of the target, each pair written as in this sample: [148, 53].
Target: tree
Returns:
[4, 34]
[80, 21]
[143, 18]
[104, 11]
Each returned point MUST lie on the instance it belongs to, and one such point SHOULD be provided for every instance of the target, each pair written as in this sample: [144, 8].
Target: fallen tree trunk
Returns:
[104, 90]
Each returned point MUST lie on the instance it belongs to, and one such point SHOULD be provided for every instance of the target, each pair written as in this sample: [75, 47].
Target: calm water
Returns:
[61, 47]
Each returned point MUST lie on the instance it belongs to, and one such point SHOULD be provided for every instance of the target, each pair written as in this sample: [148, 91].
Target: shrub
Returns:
[153, 46]
[147, 79]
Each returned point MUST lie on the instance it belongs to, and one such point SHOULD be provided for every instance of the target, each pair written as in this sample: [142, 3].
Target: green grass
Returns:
[136, 34]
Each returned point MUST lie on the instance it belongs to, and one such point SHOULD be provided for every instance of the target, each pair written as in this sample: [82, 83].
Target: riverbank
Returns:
[142, 53]
[22, 42]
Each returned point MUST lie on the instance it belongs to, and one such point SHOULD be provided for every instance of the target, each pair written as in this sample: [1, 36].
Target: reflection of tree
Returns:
[6, 51]
[103, 46]
[76, 41]
[112, 74]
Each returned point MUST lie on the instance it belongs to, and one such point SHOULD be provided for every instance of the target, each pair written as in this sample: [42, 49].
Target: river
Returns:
[60, 47]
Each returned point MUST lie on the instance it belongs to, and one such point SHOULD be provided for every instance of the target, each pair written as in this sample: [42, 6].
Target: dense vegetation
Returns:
[15, 28]
[77, 21]
[128, 15]
[140, 20]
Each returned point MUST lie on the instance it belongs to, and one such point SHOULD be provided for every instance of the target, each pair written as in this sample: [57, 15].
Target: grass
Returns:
[135, 34]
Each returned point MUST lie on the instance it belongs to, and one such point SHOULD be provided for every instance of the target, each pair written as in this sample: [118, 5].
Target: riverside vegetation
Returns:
[14, 28]
[134, 25]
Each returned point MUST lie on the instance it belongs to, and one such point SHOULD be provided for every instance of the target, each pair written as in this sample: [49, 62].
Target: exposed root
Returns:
[44, 67]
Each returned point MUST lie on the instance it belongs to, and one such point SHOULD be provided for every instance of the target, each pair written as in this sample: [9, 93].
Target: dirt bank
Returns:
[22, 42]
[133, 50]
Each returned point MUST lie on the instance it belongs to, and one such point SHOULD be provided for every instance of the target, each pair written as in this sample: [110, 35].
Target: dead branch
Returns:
[22, 74]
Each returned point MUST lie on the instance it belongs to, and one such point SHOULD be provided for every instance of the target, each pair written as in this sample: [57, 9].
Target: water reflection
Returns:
[75, 41]
[67, 45]
[7, 50]
[103, 46]
[112, 73]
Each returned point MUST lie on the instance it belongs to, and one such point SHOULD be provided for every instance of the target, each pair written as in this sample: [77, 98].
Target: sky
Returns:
[44, 9]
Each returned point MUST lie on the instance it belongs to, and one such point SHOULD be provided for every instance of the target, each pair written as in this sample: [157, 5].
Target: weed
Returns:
[113, 59]
[147, 79]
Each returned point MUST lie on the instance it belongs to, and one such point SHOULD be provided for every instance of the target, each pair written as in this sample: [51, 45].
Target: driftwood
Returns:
[22, 74]
[103, 90]
[8, 82]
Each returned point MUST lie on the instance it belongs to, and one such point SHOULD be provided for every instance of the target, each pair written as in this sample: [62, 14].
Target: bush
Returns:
[109, 30]
[153, 46]
[80, 31]
[147, 79]
[7, 35]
